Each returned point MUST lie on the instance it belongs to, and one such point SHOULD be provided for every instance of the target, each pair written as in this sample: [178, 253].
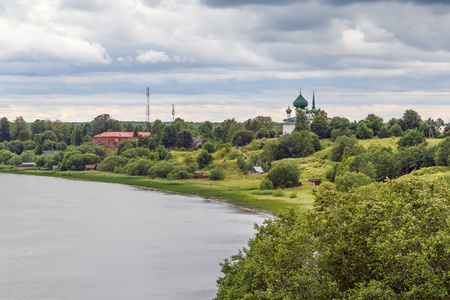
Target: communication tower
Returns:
[173, 112]
[147, 113]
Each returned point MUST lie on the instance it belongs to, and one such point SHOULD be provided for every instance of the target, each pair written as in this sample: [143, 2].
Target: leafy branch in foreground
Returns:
[392, 245]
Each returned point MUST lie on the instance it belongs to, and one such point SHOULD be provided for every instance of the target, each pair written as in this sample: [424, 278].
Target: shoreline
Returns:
[192, 187]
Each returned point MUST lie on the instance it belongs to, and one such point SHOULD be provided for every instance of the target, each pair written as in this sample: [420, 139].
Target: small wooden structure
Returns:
[200, 176]
[256, 170]
[315, 182]
[28, 164]
[90, 167]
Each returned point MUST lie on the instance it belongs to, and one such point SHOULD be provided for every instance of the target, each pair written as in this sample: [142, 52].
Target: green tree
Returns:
[284, 174]
[184, 139]
[384, 132]
[342, 142]
[410, 120]
[76, 138]
[242, 137]
[302, 122]
[392, 244]
[204, 159]
[103, 123]
[351, 180]
[21, 130]
[374, 122]
[157, 128]
[411, 137]
[5, 130]
[319, 126]
[206, 130]
[363, 132]
[217, 174]
[442, 157]
[113, 161]
[169, 136]
[396, 130]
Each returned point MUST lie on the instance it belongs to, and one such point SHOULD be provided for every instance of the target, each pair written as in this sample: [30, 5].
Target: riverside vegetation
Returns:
[377, 228]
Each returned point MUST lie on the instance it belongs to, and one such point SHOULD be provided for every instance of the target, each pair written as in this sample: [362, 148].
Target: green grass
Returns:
[238, 188]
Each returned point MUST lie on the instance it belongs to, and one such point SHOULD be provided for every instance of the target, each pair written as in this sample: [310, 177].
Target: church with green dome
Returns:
[300, 105]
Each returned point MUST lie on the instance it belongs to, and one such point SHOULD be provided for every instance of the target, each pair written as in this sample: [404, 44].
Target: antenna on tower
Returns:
[147, 113]
[173, 112]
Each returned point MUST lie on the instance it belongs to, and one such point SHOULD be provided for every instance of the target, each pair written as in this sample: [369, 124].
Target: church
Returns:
[300, 105]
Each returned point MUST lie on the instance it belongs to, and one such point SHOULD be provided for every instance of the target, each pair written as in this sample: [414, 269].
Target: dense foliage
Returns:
[394, 244]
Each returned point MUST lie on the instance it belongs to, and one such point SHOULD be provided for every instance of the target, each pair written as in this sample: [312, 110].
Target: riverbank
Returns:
[234, 191]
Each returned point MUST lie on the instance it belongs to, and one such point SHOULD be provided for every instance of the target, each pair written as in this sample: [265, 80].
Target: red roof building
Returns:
[112, 139]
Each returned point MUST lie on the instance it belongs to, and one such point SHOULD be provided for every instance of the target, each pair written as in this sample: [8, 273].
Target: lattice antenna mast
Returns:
[147, 113]
[173, 112]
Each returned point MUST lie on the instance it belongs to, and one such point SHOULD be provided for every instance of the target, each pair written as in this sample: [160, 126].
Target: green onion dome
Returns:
[300, 102]
[288, 110]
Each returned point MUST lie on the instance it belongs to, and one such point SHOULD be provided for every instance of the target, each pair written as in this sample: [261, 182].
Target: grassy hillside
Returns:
[239, 188]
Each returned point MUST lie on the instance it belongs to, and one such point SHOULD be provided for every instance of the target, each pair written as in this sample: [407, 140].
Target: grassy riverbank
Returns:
[243, 191]
[237, 188]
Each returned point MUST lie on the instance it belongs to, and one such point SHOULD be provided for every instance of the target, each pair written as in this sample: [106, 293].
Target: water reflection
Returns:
[66, 239]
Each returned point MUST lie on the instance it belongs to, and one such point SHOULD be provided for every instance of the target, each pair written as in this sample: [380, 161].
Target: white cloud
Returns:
[152, 56]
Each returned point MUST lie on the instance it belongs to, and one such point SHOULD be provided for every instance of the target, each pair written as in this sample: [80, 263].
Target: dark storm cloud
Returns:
[235, 3]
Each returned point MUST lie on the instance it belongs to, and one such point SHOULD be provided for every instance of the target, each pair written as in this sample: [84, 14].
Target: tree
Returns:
[242, 137]
[363, 132]
[302, 122]
[5, 130]
[442, 157]
[412, 137]
[204, 159]
[216, 174]
[169, 136]
[374, 122]
[410, 120]
[384, 132]
[284, 174]
[76, 138]
[40, 138]
[21, 131]
[342, 142]
[206, 130]
[392, 244]
[396, 130]
[351, 180]
[184, 139]
[157, 128]
[103, 123]
[319, 126]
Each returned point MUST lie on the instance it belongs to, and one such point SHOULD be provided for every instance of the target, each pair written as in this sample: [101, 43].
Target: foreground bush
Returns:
[216, 174]
[284, 174]
[391, 245]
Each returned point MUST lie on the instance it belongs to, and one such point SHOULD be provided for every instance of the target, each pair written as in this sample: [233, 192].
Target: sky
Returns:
[73, 60]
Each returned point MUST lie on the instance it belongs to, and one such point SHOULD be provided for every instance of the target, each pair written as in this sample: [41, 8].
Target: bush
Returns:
[208, 146]
[284, 174]
[351, 180]
[180, 172]
[138, 167]
[204, 159]
[278, 193]
[266, 184]
[111, 162]
[442, 157]
[411, 137]
[161, 169]
[216, 174]
[293, 195]
[342, 142]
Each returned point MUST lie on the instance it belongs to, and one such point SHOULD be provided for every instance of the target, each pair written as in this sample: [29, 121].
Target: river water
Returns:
[66, 239]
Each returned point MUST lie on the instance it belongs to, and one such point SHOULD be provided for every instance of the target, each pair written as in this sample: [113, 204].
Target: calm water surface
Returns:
[66, 239]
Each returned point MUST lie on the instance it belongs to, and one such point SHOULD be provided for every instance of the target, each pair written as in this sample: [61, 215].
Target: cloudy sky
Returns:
[217, 59]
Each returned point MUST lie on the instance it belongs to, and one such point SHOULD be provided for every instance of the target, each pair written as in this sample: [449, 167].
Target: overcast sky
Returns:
[217, 59]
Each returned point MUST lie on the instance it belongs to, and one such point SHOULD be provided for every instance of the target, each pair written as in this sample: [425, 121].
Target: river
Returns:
[67, 239]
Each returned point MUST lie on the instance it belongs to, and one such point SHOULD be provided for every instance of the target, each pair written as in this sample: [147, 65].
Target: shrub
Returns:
[111, 162]
[442, 156]
[284, 174]
[204, 159]
[161, 169]
[293, 195]
[208, 146]
[266, 184]
[278, 193]
[411, 137]
[351, 180]
[216, 174]
[138, 167]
